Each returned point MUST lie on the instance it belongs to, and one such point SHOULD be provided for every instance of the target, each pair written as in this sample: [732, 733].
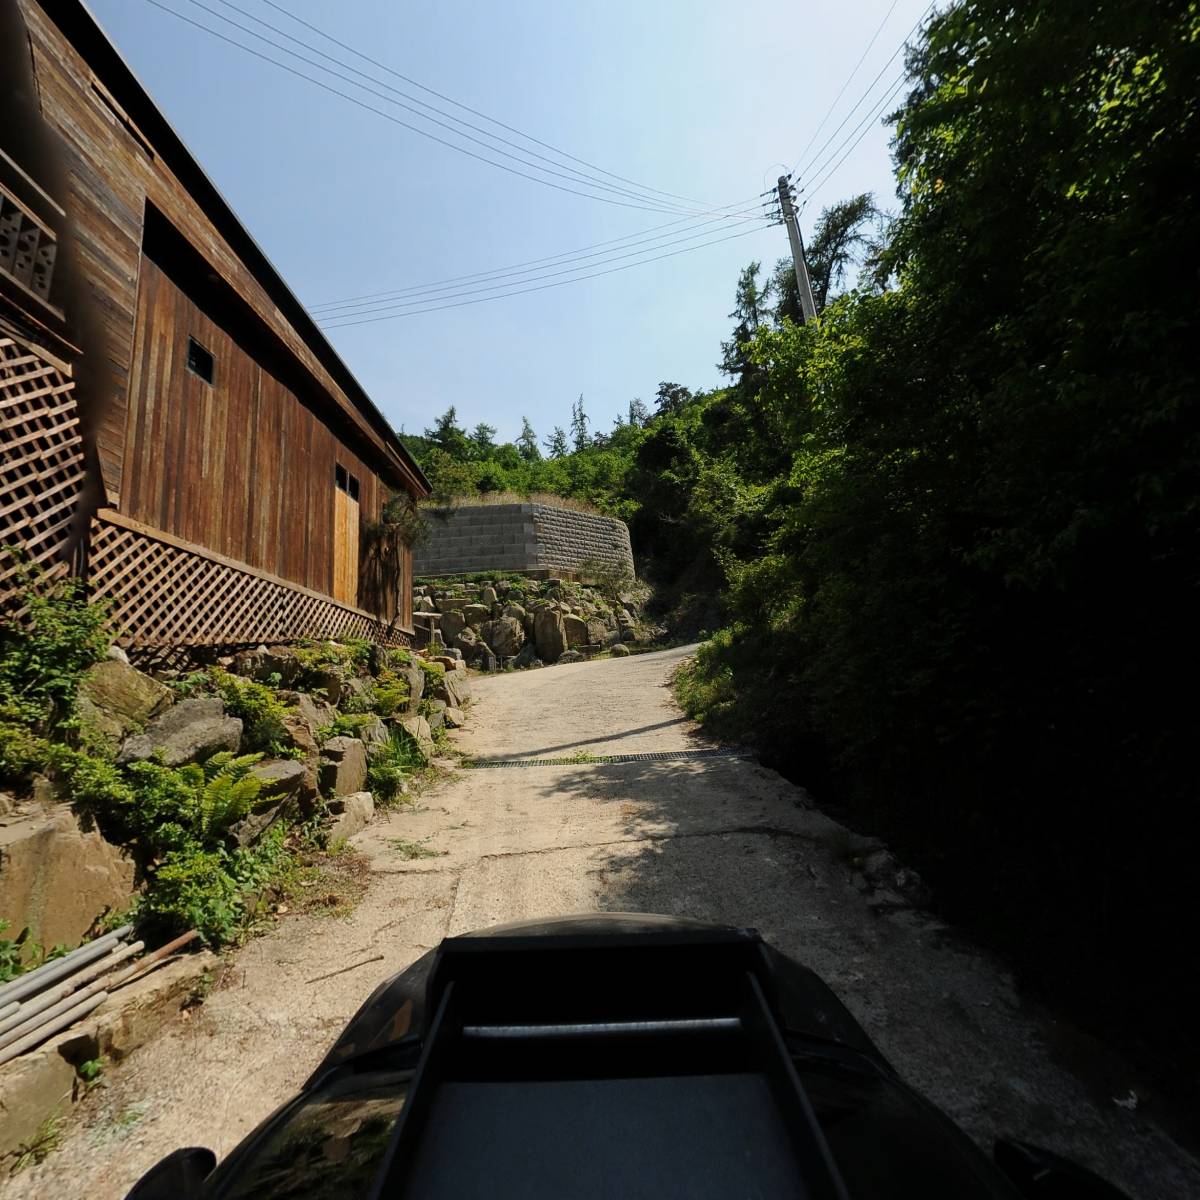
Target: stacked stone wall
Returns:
[522, 537]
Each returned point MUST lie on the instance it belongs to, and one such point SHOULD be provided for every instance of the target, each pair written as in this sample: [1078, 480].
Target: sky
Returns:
[703, 99]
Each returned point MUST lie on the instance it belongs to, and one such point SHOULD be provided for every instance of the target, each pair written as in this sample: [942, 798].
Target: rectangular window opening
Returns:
[353, 488]
[340, 477]
[199, 361]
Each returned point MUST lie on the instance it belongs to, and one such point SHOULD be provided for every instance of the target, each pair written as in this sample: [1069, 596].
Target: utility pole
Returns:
[807, 307]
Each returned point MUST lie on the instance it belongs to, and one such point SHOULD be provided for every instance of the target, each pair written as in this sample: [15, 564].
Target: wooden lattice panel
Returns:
[166, 594]
[41, 460]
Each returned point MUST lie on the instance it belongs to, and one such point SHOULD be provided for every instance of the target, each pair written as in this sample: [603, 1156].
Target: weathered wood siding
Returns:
[242, 467]
[239, 465]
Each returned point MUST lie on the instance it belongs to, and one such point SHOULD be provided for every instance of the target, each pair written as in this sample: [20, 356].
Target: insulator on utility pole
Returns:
[807, 306]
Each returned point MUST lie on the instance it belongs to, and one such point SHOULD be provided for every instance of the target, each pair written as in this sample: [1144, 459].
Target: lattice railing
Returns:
[41, 461]
[165, 592]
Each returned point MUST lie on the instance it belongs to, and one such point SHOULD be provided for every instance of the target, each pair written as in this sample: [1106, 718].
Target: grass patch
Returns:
[409, 850]
[44, 1142]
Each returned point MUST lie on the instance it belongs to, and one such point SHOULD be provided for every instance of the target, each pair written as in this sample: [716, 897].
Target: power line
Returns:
[320, 63]
[415, 129]
[455, 290]
[533, 265]
[869, 89]
[467, 108]
[864, 126]
[846, 84]
[323, 58]
[541, 287]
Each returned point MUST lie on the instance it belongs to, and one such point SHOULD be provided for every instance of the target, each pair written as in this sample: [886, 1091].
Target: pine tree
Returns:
[639, 414]
[527, 445]
[579, 425]
[557, 446]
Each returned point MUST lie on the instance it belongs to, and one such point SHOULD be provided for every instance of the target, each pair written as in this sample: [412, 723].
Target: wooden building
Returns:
[172, 422]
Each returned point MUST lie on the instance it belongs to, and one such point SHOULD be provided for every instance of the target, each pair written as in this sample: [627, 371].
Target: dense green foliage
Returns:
[955, 522]
[969, 587]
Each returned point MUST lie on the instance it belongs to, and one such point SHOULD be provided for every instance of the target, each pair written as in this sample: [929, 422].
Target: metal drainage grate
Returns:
[601, 759]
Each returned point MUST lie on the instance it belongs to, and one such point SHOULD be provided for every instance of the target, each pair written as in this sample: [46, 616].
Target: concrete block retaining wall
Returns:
[521, 537]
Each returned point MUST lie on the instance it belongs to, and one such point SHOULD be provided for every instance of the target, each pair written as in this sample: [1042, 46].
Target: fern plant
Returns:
[228, 792]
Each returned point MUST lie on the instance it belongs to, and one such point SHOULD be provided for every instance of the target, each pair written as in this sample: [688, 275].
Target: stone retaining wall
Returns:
[525, 537]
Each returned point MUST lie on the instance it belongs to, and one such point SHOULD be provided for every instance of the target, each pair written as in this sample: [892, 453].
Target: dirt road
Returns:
[720, 839]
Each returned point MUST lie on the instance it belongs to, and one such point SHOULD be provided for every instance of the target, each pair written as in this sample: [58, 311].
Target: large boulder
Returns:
[516, 611]
[329, 680]
[374, 735]
[452, 624]
[280, 665]
[576, 630]
[278, 777]
[504, 635]
[549, 635]
[343, 766]
[424, 604]
[285, 785]
[454, 688]
[416, 689]
[528, 657]
[476, 614]
[190, 731]
[488, 596]
[454, 718]
[418, 729]
[57, 879]
[309, 716]
[468, 643]
[620, 650]
[115, 699]
[351, 815]
[597, 632]
[570, 656]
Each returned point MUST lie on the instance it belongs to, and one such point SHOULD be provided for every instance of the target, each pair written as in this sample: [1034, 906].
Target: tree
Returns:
[483, 440]
[672, 397]
[527, 442]
[639, 414]
[750, 307]
[557, 446]
[579, 425]
[447, 435]
[846, 233]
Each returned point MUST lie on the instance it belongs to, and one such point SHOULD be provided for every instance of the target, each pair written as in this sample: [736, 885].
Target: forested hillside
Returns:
[951, 529]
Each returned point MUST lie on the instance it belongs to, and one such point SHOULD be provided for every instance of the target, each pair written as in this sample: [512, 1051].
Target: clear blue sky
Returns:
[706, 98]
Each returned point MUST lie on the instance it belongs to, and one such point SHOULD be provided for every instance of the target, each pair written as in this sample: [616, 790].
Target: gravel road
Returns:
[720, 839]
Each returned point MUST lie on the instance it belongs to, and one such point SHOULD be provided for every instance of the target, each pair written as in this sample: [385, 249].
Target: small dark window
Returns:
[199, 360]
[345, 481]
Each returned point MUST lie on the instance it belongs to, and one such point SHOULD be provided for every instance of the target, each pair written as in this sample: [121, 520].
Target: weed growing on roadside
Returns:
[44, 1142]
[409, 850]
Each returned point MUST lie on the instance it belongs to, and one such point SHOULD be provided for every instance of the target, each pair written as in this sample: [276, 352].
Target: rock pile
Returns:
[337, 714]
[520, 622]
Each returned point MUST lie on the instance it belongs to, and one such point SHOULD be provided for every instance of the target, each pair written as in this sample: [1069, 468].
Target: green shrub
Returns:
[195, 889]
[21, 752]
[44, 653]
[434, 672]
[391, 765]
[391, 693]
[259, 707]
[345, 725]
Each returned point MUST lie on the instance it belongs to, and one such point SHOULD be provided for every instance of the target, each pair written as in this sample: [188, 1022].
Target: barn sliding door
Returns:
[345, 537]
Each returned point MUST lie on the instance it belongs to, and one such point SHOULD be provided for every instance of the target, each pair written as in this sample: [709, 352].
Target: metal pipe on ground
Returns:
[8, 1009]
[52, 1020]
[22, 1011]
[53, 1025]
[34, 981]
